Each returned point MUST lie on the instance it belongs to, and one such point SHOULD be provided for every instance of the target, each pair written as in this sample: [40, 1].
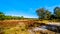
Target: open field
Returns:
[22, 27]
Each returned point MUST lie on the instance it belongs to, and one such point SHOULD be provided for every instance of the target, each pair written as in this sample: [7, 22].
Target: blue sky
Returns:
[26, 8]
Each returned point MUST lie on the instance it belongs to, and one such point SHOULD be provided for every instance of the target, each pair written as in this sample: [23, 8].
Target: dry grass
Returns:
[16, 26]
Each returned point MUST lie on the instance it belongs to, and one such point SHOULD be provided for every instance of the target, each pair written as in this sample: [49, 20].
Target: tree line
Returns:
[47, 15]
[5, 17]
[41, 12]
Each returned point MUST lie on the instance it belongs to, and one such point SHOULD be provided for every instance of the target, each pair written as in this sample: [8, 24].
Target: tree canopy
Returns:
[43, 13]
[46, 14]
[2, 16]
[57, 12]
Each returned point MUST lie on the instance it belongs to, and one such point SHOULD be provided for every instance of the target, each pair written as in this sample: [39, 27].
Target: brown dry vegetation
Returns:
[13, 23]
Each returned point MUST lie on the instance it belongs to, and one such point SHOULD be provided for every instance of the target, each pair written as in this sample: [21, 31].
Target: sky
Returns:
[26, 8]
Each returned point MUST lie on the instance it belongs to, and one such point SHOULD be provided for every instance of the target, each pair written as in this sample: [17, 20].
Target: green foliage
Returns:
[5, 17]
[47, 14]
[40, 13]
[13, 18]
[2, 16]
[22, 17]
[43, 14]
[57, 12]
